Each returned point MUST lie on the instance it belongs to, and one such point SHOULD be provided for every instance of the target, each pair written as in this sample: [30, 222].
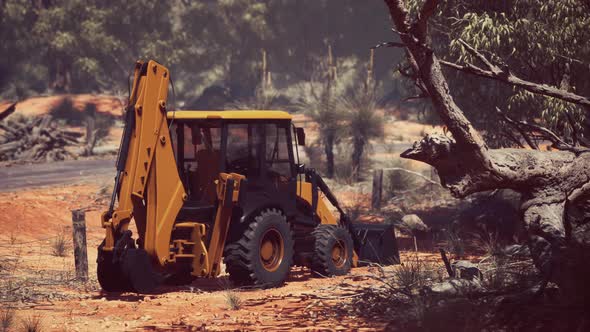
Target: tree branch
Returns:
[389, 44]
[522, 133]
[556, 141]
[503, 75]
[426, 65]
[421, 25]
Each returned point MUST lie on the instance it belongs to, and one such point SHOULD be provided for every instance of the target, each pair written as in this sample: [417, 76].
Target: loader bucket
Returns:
[138, 270]
[375, 243]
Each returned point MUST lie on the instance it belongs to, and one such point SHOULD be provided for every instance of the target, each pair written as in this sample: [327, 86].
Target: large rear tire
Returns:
[332, 254]
[262, 254]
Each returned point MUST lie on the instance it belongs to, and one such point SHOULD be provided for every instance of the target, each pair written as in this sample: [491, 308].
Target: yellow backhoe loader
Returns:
[202, 186]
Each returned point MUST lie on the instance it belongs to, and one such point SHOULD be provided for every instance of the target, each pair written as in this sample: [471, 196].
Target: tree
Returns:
[363, 123]
[90, 46]
[554, 184]
[537, 39]
[320, 101]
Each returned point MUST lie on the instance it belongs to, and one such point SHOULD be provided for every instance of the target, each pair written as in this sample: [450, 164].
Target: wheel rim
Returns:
[271, 250]
[339, 254]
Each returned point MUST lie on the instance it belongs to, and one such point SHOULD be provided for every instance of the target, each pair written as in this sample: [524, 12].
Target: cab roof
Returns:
[229, 115]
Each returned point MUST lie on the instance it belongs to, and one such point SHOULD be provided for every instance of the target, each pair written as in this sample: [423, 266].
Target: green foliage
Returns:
[541, 41]
[363, 122]
[90, 46]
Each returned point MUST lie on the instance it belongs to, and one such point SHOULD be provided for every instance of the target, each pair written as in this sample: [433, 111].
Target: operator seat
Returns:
[201, 203]
[207, 173]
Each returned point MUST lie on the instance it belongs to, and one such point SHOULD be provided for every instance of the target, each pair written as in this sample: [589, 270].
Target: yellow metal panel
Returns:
[230, 115]
[323, 211]
[151, 190]
[222, 219]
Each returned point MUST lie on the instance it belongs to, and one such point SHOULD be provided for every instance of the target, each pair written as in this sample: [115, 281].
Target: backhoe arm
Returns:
[147, 184]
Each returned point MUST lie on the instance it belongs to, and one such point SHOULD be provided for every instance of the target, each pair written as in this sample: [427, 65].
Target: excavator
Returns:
[206, 188]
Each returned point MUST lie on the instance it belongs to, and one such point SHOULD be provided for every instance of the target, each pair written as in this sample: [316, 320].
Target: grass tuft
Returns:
[59, 245]
[6, 319]
[31, 324]
[232, 299]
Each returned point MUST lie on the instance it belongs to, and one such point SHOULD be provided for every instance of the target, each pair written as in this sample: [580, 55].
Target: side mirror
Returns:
[300, 136]
[300, 168]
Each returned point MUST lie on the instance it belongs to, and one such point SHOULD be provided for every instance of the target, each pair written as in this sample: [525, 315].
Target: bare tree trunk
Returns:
[549, 181]
[357, 154]
[329, 150]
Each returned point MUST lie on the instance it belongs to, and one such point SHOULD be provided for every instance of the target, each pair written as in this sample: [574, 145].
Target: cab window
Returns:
[277, 150]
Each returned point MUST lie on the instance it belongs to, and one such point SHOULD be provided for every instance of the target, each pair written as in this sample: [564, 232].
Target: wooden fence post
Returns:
[80, 253]
[377, 189]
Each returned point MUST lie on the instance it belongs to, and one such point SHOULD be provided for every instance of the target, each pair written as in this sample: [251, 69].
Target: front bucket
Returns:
[137, 268]
[375, 243]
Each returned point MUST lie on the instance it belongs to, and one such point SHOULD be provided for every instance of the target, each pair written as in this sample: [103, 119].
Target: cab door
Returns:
[279, 162]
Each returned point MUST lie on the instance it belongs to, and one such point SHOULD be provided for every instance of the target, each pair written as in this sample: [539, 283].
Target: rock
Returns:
[454, 287]
[517, 250]
[412, 223]
[465, 270]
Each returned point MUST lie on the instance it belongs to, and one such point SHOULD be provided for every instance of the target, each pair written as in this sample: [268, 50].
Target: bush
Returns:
[413, 275]
[396, 181]
[60, 245]
[31, 324]
[355, 210]
[344, 171]
[6, 319]
[65, 110]
[455, 243]
[232, 299]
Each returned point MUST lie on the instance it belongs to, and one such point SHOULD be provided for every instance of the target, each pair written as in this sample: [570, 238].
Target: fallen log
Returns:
[35, 139]
[7, 111]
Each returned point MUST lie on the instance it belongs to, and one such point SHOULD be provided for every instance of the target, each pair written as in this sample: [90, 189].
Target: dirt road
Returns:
[64, 172]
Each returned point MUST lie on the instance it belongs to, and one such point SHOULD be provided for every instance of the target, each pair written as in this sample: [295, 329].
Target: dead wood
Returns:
[551, 183]
[4, 114]
[35, 139]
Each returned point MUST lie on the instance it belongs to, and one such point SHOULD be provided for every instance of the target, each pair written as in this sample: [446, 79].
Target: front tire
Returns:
[332, 254]
[262, 254]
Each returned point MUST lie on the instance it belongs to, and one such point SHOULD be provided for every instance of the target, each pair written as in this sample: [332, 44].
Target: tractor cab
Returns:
[259, 145]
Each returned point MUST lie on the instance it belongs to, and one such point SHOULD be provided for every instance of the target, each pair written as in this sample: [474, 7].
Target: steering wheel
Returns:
[277, 176]
[239, 165]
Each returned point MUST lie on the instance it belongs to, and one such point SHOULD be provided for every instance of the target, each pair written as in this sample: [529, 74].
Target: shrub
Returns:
[355, 210]
[455, 243]
[6, 319]
[232, 299]
[31, 324]
[413, 275]
[396, 181]
[60, 245]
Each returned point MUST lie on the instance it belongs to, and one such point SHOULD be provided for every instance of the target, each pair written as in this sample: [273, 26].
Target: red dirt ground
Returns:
[42, 105]
[30, 220]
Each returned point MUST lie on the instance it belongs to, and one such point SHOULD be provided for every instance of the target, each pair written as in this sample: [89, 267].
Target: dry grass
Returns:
[6, 319]
[455, 244]
[32, 324]
[13, 238]
[60, 245]
[356, 208]
[233, 300]
[414, 275]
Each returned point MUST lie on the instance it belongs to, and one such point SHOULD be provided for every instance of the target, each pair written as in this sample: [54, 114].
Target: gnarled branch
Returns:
[504, 75]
